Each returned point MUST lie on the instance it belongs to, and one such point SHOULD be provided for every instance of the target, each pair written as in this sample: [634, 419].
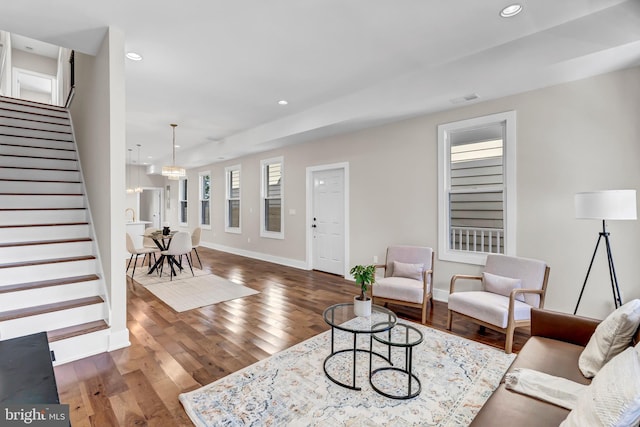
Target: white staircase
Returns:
[50, 279]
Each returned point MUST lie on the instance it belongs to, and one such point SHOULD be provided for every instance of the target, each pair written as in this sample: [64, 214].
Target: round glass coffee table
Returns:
[400, 336]
[342, 317]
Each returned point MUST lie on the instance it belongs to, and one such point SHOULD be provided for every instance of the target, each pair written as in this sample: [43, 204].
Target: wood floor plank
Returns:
[172, 353]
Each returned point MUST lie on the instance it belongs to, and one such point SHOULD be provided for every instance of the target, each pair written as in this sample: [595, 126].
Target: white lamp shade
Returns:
[610, 204]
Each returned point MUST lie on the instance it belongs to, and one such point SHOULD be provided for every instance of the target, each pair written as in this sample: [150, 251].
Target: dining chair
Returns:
[147, 241]
[180, 245]
[195, 242]
[131, 248]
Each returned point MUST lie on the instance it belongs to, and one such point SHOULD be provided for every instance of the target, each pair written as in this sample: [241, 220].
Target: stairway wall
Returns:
[98, 116]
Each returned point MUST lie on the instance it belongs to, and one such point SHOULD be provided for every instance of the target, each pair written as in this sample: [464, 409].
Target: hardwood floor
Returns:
[171, 352]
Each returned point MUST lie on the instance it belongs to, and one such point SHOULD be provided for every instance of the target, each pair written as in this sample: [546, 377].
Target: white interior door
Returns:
[328, 221]
[151, 205]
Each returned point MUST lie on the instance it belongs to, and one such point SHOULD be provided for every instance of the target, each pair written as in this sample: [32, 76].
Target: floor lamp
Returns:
[605, 205]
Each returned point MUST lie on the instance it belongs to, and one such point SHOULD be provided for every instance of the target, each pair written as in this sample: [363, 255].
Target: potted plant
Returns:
[365, 276]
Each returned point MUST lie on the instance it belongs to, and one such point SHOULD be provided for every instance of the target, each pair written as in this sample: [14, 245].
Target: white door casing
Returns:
[327, 219]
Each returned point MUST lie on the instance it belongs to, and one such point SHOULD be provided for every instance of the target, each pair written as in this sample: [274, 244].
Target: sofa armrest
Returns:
[561, 326]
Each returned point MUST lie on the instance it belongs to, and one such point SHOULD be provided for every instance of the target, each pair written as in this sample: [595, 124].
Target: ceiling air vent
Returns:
[466, 98]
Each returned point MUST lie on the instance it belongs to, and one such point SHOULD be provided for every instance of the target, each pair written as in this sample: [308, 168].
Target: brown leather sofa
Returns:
[557, 339]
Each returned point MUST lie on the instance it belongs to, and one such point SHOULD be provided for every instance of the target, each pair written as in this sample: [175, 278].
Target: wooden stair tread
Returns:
[30, 120]
[37, 157]
[39, 169]
[47, 283]
[77, 330]
[34, 129]
[49, 308]
[34, 137]
[40, 209]
[41, 194]
[46, 261]
[39, 180]
[44, 242]
[34, 104]
[61, 224]
[6, 144]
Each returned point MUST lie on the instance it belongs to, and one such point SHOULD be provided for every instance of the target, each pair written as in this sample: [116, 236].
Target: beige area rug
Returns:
[186, 292]
[290, 388]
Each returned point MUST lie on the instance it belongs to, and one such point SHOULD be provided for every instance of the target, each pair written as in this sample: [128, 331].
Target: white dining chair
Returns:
[131, 248]
[180, 245]
[195, 242]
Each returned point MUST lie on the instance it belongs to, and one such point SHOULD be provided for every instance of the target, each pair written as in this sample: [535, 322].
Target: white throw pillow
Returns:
[613, 397]
[610, 338]
[501, 285]
[410, 271]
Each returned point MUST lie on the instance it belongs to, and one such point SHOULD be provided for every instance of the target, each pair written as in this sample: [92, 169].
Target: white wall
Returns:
[32, 62]
[98, 113]
[573, 137]
[5, 64]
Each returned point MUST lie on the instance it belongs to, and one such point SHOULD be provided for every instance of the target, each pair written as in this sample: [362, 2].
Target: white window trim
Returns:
[263, 194]
[181, 199]
[236, 230]
[200, 200]
[510, 202]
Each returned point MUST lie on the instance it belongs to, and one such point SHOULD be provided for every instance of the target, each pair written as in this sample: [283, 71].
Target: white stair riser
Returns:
[43, 216]
[53, 232]
[33, 124]
[32, 116]
[30, 108]
[47, 153]
[35, 187]
[7, 130]
[42, 252]
[19, 140]
[51, 321]
[58, 270]
[45, 175]
[49, 295]
[30, 202]
[79, 347]
[27, 162]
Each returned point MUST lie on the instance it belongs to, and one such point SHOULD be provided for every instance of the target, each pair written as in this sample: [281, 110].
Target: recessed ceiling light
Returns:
[134, 56]
[177, 146]
[511, 10]
[283, 102]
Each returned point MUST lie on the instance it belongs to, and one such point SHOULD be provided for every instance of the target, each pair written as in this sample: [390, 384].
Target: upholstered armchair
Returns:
[408, 277]
[510, 287]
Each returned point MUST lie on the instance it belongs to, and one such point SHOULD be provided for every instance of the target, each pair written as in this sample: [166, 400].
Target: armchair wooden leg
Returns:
[509, 339]
[449, 319]
[424, 312]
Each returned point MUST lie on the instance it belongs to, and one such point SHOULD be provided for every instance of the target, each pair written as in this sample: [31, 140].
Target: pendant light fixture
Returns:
[138, 189]
[128, 172]
[174, 172]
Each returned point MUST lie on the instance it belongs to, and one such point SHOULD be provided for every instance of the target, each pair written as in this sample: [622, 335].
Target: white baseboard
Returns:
[119, 339]
[440, 295]
[295, 263]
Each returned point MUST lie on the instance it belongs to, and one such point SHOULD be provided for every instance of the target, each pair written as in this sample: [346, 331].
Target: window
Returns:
[477, 188]
[182, 196]
[232, 208]
[205, 200]
[271, 202]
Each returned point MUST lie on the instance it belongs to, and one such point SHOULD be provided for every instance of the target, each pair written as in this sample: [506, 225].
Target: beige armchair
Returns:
[510, 287]
[408, 277]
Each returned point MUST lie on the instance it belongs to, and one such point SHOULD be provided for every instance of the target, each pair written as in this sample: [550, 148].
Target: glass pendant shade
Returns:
[174, 172]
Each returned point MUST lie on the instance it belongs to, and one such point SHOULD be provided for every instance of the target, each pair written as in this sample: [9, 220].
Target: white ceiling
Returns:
[218, 68]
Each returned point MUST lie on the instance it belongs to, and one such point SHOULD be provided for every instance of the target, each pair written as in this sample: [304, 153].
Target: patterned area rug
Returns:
[186, 292]
[290, 388]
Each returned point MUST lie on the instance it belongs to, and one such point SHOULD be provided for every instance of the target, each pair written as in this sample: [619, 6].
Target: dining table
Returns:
[163, 241]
